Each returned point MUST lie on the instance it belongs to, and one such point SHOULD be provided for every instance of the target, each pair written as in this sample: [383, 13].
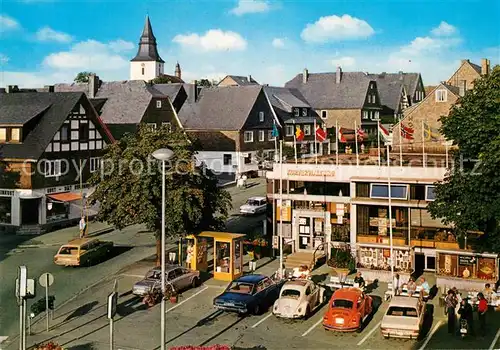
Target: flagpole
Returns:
[315, 143]
[390, 210]
[378, 141]
[275, 143]
[356, 140]
[400, 145]
[281, 210]
[295, 147]
[337, 142]
[423, 145]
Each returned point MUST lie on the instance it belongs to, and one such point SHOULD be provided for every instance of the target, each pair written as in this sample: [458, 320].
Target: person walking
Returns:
[482, 309]
[451, 303]
[467, 313]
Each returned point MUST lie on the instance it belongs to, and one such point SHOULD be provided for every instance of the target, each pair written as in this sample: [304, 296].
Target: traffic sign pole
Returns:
[47, 300]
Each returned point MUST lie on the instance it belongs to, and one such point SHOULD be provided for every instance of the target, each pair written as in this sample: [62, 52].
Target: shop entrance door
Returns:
[311, 233]
[419, 263]
[305, 233]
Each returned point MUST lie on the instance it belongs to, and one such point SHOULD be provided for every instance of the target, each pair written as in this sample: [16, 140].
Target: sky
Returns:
[44, 42]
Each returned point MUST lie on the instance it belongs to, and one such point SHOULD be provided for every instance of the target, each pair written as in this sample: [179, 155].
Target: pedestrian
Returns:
[83, 226]
[359, 280]
[466, 313]
[482, 308]
[189, 255]
[396, 284]
[459, 300]
[451, 303]
[411, 286]
[425, 287]
[487, 293]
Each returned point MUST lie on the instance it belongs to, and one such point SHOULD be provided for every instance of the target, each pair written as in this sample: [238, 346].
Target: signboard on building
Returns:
[293, 172]
[285, 211]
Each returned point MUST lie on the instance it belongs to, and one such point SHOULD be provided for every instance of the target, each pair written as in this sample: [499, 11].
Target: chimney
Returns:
[49, 88]
[93, 85]
[249, 78]
[305, 76]
[466, 60]
[462, 88]
[338, 75]
[485, 67]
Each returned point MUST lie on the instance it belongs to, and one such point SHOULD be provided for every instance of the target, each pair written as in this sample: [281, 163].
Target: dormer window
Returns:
[158, 104]
[10, 134]
[261, 117]
[296, 111]
[441, 95]
[304, 112]
[15, 134]
[3, 134]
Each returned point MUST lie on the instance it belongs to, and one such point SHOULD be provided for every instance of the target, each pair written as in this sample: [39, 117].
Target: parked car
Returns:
[177, 277]
[404, 318]
[254, 205]
[347, 310]
[82, 251]
[298, 298]
[248, 294]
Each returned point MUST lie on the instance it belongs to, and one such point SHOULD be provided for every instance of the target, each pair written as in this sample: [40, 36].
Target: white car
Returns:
[254, 205]
[404, 318]
[298, 298]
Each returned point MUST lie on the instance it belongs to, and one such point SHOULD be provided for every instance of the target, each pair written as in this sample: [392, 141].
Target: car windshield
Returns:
[253, 202]
[65, 250]
[290, 293]
[154, 275]
[239, 287]
[402, 311]
[346, 304]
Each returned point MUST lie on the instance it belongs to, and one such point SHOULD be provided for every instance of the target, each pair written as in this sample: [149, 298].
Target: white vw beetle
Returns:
[298, 298]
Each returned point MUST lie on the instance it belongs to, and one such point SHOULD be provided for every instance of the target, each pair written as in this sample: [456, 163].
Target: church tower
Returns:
[178, 71]
[147, 64]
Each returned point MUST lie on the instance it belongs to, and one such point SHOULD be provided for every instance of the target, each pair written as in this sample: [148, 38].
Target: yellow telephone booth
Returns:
[228, 254]
[197, 253]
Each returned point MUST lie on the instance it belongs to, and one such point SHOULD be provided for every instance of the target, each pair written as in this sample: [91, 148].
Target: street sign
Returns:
[112, 302]
[22, 276]
[46, 279]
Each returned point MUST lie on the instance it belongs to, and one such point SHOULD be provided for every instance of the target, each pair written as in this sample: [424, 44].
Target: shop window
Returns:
[5, 210]
[430, 195]
[382, 191]
[362, 189]
[223, 256]
[237, 257]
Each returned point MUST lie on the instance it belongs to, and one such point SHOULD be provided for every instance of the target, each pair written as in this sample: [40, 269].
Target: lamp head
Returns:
[163, 154]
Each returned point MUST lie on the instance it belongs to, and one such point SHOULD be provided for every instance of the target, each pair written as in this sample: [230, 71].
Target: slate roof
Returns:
[35, 143]
[322, 92]
[170, 90]
[242, 80]
[148, 50]
[476, 67]
[126, 101]
[213, 140]
[220, 108]
[15, 114]
[285, 99]
[389, 87]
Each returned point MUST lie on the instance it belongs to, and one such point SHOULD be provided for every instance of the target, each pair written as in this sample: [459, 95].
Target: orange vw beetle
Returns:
[347, 310]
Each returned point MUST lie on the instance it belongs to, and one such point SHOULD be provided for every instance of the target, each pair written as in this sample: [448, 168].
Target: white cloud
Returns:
[49, 34]
[121, 45]
[278, 43]
[444, 29]
[335, 28]
[7, 23]
[250, 6]
[212, 40]
[346, 62]
[3, 59]
[88, 54]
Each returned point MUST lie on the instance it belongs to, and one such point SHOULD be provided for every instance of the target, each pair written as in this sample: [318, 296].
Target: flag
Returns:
[430, 133]
[341, 137]
[361, 133]
[299, 134]
[383, 132]
[406, 132]
[275, 132]
[320, 134]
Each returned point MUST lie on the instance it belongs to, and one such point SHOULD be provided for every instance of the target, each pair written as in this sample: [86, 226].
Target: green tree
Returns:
[163, 79]
[129, 195]
[204, 83]
[82, 77]
[469, 196]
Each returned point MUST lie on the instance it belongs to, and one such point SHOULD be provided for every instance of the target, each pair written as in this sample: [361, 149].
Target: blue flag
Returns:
[276, 132]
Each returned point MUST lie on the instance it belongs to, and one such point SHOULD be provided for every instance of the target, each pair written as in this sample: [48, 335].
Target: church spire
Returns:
[178, 70]
[148, 50]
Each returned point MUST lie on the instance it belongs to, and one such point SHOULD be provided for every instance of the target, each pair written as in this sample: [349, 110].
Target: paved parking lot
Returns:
[194, 321]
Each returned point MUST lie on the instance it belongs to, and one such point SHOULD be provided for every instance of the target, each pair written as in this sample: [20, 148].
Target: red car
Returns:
[347, 310]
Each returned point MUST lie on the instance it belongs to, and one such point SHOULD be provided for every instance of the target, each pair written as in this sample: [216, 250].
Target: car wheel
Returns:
[195, 283]
[256, 309]
[308, 312]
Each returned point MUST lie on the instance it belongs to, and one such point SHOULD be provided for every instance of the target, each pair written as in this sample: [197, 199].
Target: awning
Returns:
[65, 197]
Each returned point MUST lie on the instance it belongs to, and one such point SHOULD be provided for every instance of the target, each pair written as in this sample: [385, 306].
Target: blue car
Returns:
[249, 294]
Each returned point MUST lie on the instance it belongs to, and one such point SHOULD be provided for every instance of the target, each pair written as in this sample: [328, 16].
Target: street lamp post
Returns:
[163, 154]
[390, 213]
